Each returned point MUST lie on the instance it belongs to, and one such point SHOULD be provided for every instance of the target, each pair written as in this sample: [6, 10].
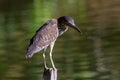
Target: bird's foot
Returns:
[54, 68]
[46, 67]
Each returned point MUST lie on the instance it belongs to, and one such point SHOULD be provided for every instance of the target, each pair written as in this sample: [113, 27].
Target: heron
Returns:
[47, 34]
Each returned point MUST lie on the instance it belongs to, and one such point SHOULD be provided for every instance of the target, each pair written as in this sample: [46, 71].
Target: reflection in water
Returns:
[94, 55]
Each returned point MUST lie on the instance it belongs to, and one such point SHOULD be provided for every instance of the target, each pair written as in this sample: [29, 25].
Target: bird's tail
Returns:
[32, 50]
[29, 55]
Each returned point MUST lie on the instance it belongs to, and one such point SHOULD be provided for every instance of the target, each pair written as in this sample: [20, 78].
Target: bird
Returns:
[47, 34]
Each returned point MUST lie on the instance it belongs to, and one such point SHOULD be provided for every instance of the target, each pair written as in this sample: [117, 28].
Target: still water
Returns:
[94, 55]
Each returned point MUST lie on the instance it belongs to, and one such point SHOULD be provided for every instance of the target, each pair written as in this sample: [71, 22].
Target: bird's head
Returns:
[69, 22]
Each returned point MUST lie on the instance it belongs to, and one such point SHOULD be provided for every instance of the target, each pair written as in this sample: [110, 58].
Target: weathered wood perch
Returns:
[50, 74]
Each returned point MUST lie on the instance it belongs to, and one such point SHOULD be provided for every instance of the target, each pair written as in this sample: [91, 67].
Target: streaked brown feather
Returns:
[44, 36]
[47, 34]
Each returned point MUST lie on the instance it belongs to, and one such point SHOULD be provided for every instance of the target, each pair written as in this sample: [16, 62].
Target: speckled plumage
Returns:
[43, 37]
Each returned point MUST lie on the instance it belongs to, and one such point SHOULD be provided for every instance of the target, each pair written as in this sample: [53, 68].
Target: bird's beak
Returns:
[76, 28]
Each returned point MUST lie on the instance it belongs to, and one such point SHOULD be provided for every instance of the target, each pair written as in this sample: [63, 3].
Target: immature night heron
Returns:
[48, 34]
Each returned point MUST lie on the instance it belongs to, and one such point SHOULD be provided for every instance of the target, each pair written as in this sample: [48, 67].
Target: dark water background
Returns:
[94, 55]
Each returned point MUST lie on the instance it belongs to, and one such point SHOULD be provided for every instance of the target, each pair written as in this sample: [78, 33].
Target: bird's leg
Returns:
[51, 48]
[44, 57]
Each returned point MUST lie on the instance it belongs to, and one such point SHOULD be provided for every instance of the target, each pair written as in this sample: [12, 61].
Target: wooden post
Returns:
[50, 74]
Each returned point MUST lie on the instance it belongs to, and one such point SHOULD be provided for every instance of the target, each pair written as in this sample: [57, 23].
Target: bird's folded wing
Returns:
[46, 34]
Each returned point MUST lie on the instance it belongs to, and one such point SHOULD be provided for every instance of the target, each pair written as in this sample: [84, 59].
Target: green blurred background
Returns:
[94, 55]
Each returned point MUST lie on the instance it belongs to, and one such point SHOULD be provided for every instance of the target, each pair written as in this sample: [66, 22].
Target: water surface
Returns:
[94, 55]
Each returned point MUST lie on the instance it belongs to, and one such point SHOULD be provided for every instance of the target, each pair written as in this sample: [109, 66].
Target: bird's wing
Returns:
[46, 34]
[43, 37]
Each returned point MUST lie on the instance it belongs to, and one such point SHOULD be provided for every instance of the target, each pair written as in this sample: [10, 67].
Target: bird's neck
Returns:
[62, 28]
